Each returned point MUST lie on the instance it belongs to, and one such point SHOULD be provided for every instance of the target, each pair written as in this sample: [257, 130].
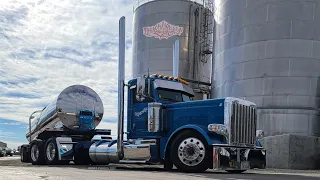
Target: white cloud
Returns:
[50, 45]
[10, 135]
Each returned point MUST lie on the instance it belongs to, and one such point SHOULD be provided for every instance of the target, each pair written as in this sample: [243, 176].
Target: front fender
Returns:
[185, 127]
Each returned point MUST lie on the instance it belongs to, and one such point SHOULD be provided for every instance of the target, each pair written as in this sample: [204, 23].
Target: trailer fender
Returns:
[177, 131]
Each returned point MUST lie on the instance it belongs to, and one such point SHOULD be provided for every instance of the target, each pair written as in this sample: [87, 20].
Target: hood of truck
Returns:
[201, 113]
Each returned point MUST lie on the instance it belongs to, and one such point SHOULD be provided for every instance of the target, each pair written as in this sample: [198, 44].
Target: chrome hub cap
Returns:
[191, 151]
[51, 152]
[34, 152]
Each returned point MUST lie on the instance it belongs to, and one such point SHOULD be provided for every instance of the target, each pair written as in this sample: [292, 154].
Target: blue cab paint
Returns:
[195, 115]
[86, 120]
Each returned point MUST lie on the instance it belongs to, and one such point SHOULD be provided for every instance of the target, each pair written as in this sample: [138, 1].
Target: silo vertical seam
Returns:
[291, 26]
[189, 39]
[314, 10]
[268, 12]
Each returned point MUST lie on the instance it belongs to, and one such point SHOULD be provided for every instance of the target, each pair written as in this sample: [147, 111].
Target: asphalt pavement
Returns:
[12, 169]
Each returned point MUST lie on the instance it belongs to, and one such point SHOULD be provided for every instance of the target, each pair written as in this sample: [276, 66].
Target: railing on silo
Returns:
[139, 3]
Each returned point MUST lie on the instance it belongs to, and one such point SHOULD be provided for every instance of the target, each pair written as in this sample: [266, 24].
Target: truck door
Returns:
[138, 113]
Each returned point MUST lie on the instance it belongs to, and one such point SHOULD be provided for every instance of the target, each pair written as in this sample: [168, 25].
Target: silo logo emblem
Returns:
[162, 30]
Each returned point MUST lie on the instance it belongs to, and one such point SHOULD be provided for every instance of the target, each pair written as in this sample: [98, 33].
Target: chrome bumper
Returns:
[234, 158]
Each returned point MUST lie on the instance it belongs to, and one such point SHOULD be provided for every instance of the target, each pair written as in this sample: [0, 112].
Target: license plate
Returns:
[245, 165]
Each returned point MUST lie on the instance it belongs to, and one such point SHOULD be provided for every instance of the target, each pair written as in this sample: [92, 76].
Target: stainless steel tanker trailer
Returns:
[63, 130]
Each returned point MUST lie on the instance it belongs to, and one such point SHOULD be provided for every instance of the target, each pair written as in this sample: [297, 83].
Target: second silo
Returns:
[158, 23]
[269, 52]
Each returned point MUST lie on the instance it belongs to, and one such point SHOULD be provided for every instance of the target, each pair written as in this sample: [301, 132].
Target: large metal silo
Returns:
[268, 52]
[158, 23]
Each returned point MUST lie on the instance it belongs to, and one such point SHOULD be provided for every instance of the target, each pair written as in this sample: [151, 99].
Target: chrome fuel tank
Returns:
[105, 152]
[65, 110]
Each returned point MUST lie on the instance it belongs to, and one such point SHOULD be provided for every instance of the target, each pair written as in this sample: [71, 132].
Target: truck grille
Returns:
[243, 125]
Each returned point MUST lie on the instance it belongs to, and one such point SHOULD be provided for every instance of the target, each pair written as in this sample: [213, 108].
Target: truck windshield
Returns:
[172, 96]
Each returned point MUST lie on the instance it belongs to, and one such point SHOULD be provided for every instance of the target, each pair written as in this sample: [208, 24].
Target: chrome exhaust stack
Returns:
[110, 151]
[121, 76]
[105, 152]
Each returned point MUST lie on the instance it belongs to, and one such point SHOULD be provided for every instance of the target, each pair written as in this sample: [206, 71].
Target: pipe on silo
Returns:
[189, 40]
[176, 58]
[196, 15]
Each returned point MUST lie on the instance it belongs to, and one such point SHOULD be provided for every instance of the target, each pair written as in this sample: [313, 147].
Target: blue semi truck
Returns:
[164, 126]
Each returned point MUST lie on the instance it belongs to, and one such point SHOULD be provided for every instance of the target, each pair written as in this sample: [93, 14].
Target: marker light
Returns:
[172, 78]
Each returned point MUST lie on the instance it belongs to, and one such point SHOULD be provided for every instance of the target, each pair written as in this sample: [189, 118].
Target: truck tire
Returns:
[51, 152]
[36, 152]
[82, 158]
[24, 155]
[189, 152]
[168, 165]
[81, 154]
[235, 171]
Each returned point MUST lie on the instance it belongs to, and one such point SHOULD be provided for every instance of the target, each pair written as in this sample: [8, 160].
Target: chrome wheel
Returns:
[34, 152]
[51, 152]
[191, 151]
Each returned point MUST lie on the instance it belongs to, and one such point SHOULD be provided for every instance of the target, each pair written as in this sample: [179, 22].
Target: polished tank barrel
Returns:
[65, 111]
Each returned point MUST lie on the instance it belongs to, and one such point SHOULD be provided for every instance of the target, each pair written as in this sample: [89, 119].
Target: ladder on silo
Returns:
[207, 31]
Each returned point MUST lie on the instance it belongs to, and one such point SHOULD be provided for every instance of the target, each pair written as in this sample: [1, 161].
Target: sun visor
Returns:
[173, 85]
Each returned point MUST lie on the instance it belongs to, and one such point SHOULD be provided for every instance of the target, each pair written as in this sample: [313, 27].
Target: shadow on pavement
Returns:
[221, 175]
[215, 175]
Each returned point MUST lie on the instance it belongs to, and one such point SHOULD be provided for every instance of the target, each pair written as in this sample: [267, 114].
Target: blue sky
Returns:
[47, 46]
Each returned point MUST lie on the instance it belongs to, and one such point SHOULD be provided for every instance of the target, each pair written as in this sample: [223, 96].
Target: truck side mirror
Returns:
[141, 83]
[141, 88]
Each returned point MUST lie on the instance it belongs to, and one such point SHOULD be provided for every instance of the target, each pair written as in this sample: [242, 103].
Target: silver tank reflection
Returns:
[63, 112]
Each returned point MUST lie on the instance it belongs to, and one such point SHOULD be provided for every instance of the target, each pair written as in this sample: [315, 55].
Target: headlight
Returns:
[218, 128]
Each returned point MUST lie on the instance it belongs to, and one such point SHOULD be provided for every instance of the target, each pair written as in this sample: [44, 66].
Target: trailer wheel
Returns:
[190, 152]
[36, 153]
[24, 155]
[51, 152]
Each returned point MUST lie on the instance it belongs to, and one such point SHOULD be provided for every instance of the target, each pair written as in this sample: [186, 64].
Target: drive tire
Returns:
[190, 143]
[36, 153]
[81, 155]
[81, 158]
[51, 152]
